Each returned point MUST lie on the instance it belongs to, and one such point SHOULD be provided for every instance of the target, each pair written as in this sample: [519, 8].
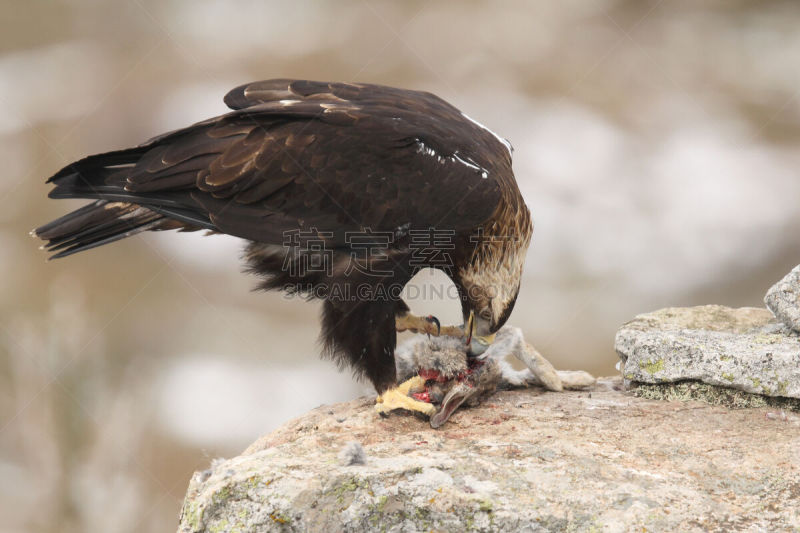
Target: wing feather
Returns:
[302, 154]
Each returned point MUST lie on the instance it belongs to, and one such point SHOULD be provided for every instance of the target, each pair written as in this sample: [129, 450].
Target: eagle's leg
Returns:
[405, 320]
[398, 398]
[417, 324]
[371, 351]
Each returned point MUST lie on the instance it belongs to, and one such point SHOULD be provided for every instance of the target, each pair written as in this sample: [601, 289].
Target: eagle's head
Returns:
[489, 282]
[486, 309]
[489, 291]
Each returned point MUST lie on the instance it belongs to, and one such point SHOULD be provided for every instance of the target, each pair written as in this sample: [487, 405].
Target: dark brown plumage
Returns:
[327, 161]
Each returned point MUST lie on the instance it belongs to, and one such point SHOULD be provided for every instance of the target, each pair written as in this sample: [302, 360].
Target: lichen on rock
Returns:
[697, 391]
[745, 349]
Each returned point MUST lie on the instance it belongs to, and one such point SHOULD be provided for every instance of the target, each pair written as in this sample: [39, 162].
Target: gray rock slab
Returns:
[746, 349]
[526, 460]
[783, 299]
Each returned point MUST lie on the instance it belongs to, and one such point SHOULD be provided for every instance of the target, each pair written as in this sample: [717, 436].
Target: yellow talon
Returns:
[415, 384]
[398, 398]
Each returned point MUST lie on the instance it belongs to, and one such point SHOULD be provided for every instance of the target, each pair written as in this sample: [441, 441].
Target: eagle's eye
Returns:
[486, 314]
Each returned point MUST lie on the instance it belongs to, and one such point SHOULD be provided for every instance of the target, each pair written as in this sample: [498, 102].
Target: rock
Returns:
[713, 394]
[746, 349]
[783, 299]
[525, 460]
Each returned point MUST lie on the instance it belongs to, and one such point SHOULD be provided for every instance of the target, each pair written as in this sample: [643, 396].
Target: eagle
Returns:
[344, 191]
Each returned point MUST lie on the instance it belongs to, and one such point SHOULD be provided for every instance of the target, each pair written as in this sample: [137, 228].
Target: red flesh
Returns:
[429, 374]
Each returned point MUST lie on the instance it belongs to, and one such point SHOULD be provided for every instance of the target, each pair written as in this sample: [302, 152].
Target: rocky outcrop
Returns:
[524, 460]
[708, 351]
[783, 299]
[599, 459]
[746, 349]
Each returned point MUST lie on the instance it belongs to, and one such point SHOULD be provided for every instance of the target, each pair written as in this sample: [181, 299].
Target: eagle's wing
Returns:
[314, 156]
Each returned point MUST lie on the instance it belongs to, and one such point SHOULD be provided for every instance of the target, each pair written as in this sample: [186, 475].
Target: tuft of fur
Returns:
[448, 355]
[352, 454]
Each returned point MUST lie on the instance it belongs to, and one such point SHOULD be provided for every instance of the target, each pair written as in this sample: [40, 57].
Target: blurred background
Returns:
[655, 142]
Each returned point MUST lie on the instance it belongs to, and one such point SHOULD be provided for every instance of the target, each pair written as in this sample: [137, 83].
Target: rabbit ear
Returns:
[452, 401]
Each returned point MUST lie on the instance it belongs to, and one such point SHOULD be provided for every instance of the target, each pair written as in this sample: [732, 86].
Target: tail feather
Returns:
[117, 213]
[71, 222]
[91, 164]
[96, 224]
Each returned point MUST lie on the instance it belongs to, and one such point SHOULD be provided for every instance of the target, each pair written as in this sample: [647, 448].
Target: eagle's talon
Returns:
[398, 398]
[433, 320]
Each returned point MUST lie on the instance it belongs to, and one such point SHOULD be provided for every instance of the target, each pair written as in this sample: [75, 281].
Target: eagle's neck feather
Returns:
[495, 268]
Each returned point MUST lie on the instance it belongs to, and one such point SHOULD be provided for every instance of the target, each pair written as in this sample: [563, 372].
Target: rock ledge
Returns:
[783, 299]
[523, 461]
[746, 349]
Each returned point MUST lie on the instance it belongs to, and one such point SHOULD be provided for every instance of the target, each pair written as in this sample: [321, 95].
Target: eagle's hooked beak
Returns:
[476, 344]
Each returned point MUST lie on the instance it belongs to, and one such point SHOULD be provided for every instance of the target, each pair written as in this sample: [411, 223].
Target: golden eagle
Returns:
[343, 190]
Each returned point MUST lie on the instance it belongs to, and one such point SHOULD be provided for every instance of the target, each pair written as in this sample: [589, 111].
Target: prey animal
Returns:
[436, 372]
[343, 192]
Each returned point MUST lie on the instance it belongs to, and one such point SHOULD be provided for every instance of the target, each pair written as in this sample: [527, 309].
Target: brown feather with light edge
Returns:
[331, 158]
